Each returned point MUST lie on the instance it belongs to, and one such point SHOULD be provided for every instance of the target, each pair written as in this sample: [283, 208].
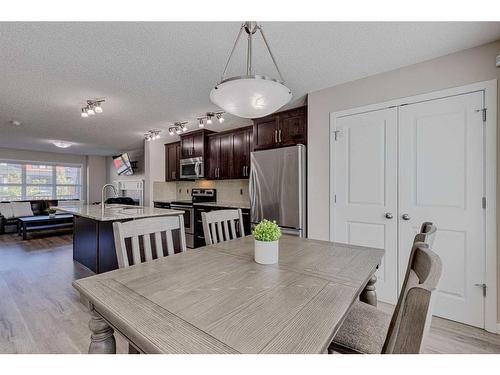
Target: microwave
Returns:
[192, 168]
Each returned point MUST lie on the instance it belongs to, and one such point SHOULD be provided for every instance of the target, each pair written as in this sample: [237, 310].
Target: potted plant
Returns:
[266, 234]
[52, 212]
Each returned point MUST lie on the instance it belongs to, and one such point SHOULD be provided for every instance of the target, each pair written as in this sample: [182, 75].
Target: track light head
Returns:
[84, 113]
[220, 118]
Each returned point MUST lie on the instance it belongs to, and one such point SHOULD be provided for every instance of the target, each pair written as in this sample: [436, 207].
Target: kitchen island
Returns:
[93, 241]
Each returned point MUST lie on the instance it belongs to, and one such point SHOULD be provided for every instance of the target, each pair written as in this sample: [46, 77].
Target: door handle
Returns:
[244, 170]
[279, 135]
[405, 217]
[482, 286]
[388, 215]
[275, 136]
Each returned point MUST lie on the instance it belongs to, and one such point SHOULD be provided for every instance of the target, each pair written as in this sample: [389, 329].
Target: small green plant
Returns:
[267, 231]
[52, 210]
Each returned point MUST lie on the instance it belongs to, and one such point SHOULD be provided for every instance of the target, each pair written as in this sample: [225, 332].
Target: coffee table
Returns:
[43, 222]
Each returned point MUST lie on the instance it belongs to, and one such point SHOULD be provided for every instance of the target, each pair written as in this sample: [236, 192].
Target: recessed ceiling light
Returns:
[62, 144]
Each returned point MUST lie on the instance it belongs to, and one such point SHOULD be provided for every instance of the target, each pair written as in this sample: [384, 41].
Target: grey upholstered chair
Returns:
[222, 225]
[369, 330]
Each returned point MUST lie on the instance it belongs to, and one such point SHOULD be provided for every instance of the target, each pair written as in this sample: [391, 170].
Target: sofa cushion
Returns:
[22, 209]
[6, 210]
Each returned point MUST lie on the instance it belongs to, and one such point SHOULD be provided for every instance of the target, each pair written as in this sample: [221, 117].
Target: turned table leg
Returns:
[102, 340]
[369, 294]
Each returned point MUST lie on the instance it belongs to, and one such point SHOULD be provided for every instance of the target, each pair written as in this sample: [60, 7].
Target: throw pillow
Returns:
[22, 209]
[6, 210]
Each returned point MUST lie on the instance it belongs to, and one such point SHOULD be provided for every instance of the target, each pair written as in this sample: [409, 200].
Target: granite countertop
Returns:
[245, 205]
[117, 212]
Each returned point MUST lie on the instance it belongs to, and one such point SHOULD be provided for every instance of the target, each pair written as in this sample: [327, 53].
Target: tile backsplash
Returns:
[227, 190]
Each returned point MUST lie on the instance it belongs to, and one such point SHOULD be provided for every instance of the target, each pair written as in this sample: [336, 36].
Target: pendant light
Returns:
[250, 95]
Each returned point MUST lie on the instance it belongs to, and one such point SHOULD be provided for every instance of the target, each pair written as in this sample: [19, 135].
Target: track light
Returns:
[208, 118]
[178, 128]
[152, 135]
[170, 131]
[93, 106]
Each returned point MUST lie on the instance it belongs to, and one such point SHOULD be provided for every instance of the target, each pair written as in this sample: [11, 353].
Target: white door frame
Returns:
[490, 173]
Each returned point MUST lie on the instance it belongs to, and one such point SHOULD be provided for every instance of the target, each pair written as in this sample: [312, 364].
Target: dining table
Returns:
[217, 299]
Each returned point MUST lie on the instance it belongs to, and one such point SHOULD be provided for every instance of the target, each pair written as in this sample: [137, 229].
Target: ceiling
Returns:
[153, 74]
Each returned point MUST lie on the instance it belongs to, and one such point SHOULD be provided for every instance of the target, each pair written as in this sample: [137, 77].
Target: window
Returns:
[19, 180]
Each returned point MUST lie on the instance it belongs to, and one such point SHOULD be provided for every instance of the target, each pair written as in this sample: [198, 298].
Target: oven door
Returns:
[188, 216]
[192, 168]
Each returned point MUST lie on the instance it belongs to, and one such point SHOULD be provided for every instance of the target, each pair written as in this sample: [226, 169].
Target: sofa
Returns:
[39, 207]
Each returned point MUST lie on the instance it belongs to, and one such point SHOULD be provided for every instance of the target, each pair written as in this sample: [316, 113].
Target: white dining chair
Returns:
[222, 225]
[369, 330]
[148, 232]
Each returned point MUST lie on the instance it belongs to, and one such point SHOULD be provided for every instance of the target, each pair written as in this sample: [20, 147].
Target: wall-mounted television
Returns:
[123, 165]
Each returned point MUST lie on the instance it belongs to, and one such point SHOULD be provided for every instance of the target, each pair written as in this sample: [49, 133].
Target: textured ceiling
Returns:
[153, 74]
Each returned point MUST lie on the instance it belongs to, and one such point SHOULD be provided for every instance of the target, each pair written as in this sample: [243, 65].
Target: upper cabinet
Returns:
[172, 157]
[242, 146]
[280, 129]
[228, 155]
[193, 143]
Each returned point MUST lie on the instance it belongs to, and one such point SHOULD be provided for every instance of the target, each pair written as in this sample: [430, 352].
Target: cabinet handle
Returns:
[275, 136]
[279, 135]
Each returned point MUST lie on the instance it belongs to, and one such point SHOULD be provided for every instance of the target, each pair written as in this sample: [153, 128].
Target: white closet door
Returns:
[365, 186]
[441, 180]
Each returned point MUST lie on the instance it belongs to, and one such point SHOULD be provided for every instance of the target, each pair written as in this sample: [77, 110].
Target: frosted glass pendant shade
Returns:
[250, 96]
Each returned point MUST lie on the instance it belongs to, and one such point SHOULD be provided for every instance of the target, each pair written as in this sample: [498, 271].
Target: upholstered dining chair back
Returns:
[413, 313]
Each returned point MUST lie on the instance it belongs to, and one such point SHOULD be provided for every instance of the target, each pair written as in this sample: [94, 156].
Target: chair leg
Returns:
[132, 349]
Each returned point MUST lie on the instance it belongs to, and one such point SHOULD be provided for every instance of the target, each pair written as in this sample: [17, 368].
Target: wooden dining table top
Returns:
[216, 299]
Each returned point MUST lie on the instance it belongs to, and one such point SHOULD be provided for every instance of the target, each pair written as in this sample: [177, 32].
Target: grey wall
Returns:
[465, 67]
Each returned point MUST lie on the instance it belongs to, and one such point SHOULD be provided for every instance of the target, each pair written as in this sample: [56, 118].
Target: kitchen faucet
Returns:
[104, 189]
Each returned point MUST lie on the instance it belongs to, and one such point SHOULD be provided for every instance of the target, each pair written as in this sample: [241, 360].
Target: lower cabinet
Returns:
[199, 238]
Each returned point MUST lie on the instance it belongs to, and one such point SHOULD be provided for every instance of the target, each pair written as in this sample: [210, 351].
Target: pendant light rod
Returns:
[272, 56]
[251, 27]
[249, 55]
[232, 52]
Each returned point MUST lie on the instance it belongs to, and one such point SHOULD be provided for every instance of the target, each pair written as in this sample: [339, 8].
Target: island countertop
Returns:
[117, 212]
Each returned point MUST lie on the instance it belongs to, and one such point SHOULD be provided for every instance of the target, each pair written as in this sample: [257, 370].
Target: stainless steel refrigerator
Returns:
[278, 188]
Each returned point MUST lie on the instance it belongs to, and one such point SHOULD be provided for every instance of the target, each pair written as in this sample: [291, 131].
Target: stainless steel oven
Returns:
[192, 168]
[188, 221]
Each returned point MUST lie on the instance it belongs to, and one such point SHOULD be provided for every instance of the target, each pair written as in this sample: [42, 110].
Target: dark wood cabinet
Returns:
[172, 157]
[219, 156]
[281, 129]
[242, 146]
[193, 143]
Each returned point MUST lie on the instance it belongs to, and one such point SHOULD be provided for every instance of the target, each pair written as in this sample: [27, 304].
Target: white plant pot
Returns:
[266, 252]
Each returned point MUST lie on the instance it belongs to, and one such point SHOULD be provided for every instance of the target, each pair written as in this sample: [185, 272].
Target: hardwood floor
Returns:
[40, 312]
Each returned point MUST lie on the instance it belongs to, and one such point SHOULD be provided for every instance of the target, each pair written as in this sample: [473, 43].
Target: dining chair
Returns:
[222, 225]
[369, 330]
[130, 234]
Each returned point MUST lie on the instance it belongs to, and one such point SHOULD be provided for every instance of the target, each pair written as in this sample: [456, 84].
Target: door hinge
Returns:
[483, 202]
[483, 110]
[336, 134]
[483, 285]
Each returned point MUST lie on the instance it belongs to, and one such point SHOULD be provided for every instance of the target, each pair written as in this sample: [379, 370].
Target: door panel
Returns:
[365, 185]
[265, 133]
[225, 156]
[293, 126]
[239, 154]
[212, 161]
[441, 180]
